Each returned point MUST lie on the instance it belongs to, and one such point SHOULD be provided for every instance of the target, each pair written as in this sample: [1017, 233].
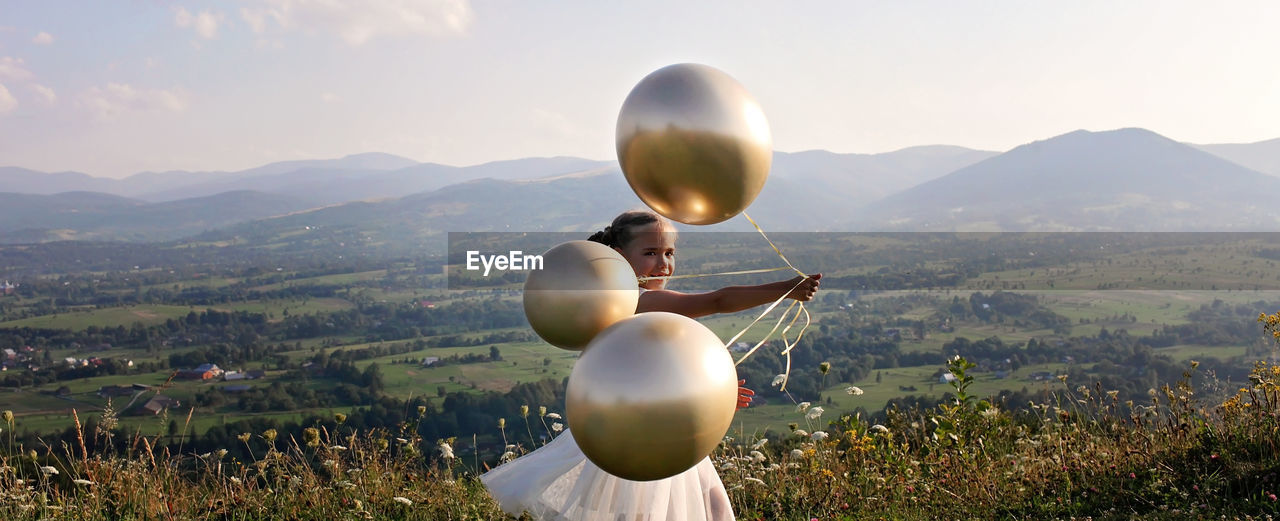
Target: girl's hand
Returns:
[805, 290]
[744, 395]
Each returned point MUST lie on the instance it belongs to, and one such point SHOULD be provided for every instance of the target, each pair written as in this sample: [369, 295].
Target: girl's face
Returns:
[652, 253]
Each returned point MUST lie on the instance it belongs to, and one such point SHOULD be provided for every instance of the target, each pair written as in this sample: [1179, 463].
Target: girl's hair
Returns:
[619, 233]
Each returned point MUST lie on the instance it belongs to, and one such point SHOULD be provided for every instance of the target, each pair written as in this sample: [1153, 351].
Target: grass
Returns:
[1081, 454]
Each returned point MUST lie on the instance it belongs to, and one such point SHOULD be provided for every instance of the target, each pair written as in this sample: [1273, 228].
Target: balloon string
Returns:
[788, 345]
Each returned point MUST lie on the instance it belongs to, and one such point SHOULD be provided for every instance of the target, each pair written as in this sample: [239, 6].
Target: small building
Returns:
[231, 376]
[203, 372]
[158, 403]
[428, 361]
[255, 374]
[109, 391]
[946, 378]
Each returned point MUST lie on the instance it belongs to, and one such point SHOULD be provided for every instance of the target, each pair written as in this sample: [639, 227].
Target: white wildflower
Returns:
[508, 456]
[801, 433]
[84, 482]
[757, 456]
[754, 481]
[772, 467]
[235, 480]
[779, 380]
[403, 500]
[344, 484]
[879, 429]
[802, 406]
[338, 447]
[818, 436]
[49, 471]
[814, 413]
[557, 427]
[991, 412]
[797, 453]
[760, 443]
[446, 451]
[402, 440]
[554, 416]
[728, 466]
[330, 463]
[855, 391]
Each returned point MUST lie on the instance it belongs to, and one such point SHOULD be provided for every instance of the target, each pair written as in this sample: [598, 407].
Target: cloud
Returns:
[205, 23]
[42, 38]
[359, 22]
[7, 101]
[117, 98]
[12, 69]
[45, 92]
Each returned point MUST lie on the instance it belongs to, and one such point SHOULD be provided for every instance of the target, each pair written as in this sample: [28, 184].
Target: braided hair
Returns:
[619, 233]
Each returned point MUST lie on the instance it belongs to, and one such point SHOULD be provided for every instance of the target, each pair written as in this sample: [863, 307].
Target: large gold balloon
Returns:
[582, 288]
[651, 396]
[693, 144]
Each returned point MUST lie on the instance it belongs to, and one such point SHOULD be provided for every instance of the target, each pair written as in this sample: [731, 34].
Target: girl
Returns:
[557, 482]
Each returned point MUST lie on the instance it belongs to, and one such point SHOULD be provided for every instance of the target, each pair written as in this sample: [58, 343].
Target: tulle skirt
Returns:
[557, 482]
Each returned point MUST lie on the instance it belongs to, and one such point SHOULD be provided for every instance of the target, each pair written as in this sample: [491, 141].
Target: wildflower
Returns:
[311, 435]
[338, 447]
[402, 441]
[422, 411]
[48, 471]
[824, 368]
[542, 410]
[446, 451]
[772, 467]
[269, 435]
[82, 482]
[757, 456]
[879, 429]
[507, 456]
[852, 390]
[330, 463]
[235, 480]
[802, 433]
[818, 436]
[403, 500]
[728, 466]
[779, 380]
[8, 417]
[221, 453]
[502, 423]
[814, 413]
[344, 484]
[1151, 391]
[1113, 394]
[524, 411]
[339, 417]
[557, 427]
[244, 438]
[554, 416]
[758, 481]
[990, 413]
[802, 406]
[1195, 364]
[797, 453]
[1062, 378]
[760, 443]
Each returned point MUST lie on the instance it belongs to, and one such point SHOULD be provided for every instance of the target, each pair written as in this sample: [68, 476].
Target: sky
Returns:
[113, 88]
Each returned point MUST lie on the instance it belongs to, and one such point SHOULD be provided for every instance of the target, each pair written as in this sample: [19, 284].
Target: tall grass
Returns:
[1083, 453]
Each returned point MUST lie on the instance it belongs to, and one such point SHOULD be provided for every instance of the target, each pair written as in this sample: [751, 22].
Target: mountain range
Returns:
[1127, 179]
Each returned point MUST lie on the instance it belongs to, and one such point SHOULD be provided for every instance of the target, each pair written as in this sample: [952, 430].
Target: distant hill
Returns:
[1263, 156]
[1128, 179]
[862, 178]
[26, 218]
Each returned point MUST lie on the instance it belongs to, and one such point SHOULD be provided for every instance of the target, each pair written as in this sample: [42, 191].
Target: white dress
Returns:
[558, 482]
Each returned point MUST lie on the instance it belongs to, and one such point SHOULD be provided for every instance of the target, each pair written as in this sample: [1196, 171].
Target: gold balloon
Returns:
[582, 288]
[651, 396]
[693, 144]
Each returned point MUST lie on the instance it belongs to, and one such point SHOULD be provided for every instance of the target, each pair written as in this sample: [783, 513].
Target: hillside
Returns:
[1121, 180]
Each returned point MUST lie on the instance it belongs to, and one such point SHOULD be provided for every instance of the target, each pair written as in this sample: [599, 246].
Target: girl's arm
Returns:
[727, 300]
